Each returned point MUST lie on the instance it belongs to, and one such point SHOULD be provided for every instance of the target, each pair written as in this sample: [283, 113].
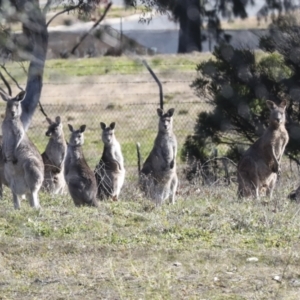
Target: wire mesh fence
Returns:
[134, 123]
[126, 94]
[129, 98]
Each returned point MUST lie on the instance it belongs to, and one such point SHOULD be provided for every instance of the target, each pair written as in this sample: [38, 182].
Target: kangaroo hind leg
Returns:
[33, 199]
[173, 189]
[16, 200]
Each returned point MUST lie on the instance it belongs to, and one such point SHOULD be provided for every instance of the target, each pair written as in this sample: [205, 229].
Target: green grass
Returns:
[132, 250]
[195, 249]
[58, 69]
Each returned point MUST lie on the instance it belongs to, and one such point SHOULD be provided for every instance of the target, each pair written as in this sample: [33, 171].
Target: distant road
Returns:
[251, 10]
[158, 22]
[115, 2]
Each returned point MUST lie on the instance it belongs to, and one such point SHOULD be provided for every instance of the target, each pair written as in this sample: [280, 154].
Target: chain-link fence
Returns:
[134, 123]
[130, 100]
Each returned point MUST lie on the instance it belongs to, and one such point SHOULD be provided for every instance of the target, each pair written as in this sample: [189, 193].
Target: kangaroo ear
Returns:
[160, 112]
[283, 104]
[71, 127]
[58, 120]
[49, 120]
[170, 112]
[20, 97]
[271, 104]
[112, 125]
[82, 128]
[4, 96]
[102, 125]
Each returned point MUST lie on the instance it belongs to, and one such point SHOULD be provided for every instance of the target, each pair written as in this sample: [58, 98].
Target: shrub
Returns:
[236, 84]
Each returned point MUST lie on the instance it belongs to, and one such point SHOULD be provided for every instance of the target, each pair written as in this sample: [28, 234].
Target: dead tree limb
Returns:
[2, 90]
[6, 83]
[95, 25]
[161, 95]
[21, 64]
[69, 8]
[42, 109]
[12, 78]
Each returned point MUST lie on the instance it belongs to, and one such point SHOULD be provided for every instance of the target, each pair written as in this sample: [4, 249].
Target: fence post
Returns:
[161, 97]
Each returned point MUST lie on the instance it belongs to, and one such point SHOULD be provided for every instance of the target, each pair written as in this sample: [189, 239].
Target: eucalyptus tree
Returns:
[192, 15]
[33, 43]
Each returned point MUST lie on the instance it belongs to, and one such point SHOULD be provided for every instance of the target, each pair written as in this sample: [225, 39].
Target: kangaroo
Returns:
[2, 177]
[110, 172]
[260, 164]
[23, 164]
[54, 158]
[79, 177]
[158, 178]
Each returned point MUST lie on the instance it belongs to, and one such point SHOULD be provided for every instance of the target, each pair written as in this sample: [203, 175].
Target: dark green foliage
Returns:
[236, 85]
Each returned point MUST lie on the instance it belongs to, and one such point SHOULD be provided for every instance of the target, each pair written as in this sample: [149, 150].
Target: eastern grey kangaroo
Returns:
[23, 164]
[2, 177]
[158, 177]
[79, 177]
[260, 164]
[110, 172]
[54, 158]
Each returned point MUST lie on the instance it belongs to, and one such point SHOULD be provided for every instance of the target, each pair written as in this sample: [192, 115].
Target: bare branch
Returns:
[6, 83]
[69, 8]
[161, 96]
[21, 64]
[11, 77]
[2, 90]
[108, 6]
[42, 110]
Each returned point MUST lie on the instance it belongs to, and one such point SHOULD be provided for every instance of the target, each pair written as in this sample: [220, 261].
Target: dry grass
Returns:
[196, 249]
[81, 92]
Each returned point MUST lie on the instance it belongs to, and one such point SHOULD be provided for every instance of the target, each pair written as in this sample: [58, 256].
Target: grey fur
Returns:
[110, 171]
[2, 177]
[79, 177]
[259, 166]
[158, 178]
[23, 164]
[54, 158]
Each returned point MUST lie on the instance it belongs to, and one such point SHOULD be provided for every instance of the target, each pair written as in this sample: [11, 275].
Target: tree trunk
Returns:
[34, 27]
[188, 13]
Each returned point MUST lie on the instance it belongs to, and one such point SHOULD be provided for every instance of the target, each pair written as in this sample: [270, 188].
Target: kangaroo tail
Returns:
[138, 156]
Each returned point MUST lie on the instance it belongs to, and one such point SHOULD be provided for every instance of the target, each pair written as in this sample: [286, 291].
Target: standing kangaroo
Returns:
[23, 164]
[79, 177]
[260, 164]
[158, 177]
[110, 172]
[2, 176]
[54, 158]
